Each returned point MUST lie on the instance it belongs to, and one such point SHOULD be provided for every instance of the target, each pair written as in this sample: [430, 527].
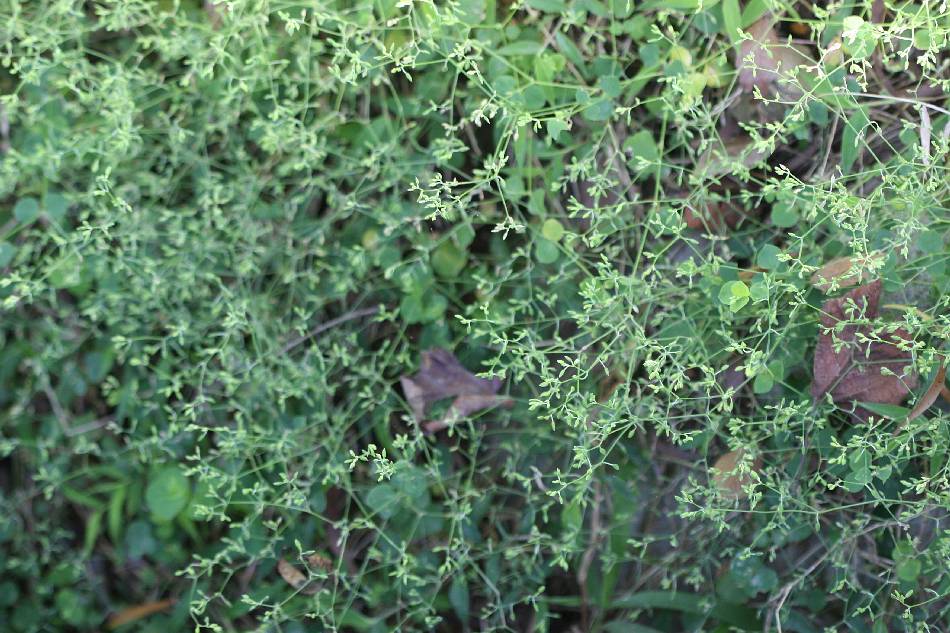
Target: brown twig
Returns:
[587, 560]
[332, 323]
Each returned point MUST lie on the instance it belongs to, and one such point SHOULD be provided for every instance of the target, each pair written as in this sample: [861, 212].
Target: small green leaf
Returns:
[459, 598]
[732, 20]
[115, 515]
[768, 257]
[851, 137]
[753, 576]
[382, 500]
[423, 305]
[759, 292]
[734, 294]
[56, 206]
[641, 146]
[552, 230]
[139, 540]
[908, 569]
[8, 594]
[783, 214]
[599, 110]
[890, 411]
[167, 493]
[858, 37]
[546, 251]
[763, 383]
[26, 210]
[448, 260]
[7, 251]
[552, 6]
[610, 84]
[555, 127]
[93, 528]
[523, 47]
[572, 516]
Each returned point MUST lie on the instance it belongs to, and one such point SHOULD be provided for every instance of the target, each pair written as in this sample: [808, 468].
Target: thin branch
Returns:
[332, 323]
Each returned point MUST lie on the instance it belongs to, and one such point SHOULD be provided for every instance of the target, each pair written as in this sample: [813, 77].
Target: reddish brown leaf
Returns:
[442, 376]
[131, 614]
[727, 477]
[850, 369]
[930, 396]
[319, 561]
[772, 58]
[294, 577]
[835, 272]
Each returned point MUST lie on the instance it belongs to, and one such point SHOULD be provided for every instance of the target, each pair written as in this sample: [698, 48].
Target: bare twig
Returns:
[4, 130]
[925, 128]
[332, 323]
[786, 590]
[584, 569]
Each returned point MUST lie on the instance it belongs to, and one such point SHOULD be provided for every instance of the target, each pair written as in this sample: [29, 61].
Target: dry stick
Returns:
[4, 131]
[332, 323]
[922, 104]
[824, 162]
[925, 127]
[790, 585]
[138, 612]
[588, 558]
[89, 426]
[58, 410]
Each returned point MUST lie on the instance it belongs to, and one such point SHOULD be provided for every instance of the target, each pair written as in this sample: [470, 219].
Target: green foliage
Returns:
[228, 229]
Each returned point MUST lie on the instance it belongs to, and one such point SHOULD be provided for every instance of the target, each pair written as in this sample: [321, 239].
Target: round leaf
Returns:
[26, 210]
[167, 493]
[552, 230]
[546, 251]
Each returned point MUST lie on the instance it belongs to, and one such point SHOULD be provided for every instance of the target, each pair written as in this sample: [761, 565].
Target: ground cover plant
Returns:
[474, 315]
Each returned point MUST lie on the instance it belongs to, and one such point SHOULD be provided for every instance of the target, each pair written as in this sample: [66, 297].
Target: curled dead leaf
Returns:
[766, 60]
[608, 385]
[294, 577]
[930, 396]
[844, 272]
[799, 29]
[443, 376]
[730, 478]
[139, 611]
[750, 273]
[849, 361]
[319, 561]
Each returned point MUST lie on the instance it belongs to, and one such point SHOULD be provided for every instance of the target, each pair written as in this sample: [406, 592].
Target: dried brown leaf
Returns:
[139, 611]
[835, 273]
[319, 561]
[848, 367]
[727, 477]
[443, 376]
[294, 577]
[930, 396]
[767, 58]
